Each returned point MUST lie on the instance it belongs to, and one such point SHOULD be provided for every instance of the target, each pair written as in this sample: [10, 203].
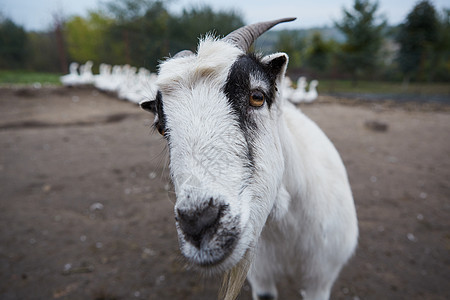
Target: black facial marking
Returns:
[160, 125]
[274, 67]
[237, 89]
[149, 106]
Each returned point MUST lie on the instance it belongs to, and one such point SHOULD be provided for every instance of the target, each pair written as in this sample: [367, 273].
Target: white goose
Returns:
[286, 88]
[86, 76]
[73, 77]
[299, 93]
[134, 91]
[312, 94]
[102, 80]
[122, 80]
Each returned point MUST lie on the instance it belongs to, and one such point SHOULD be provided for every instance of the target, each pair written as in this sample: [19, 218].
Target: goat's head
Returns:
[218, 110]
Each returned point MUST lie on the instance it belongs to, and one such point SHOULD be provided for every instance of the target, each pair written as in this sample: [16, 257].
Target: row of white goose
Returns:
[123, 80]
[136, 87]
[300, 94]
[84, 77]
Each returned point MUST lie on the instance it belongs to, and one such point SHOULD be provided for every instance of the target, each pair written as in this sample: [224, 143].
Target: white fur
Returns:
[296, 214]
[319, 230]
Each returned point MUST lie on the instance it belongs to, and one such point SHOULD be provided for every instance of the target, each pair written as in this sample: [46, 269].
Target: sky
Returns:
[37, 14]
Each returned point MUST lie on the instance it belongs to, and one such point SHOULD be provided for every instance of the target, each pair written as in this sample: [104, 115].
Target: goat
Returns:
[261, 191]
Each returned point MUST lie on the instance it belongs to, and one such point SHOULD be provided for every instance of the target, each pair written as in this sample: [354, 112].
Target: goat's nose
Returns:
[195, 223]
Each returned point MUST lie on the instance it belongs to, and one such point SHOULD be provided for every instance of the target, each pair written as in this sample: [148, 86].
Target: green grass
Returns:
[27, 77]
[325, 86]
[382, 87]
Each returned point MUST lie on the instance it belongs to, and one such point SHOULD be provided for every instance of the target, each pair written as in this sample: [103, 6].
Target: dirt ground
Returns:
[85, 212]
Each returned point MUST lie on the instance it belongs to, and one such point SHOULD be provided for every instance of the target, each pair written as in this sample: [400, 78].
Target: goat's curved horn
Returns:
[244, 37]
[183, 53]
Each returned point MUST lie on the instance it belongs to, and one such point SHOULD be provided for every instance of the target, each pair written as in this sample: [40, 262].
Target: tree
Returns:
[197, 21]
[86, 37]
[293, 45]
[319, 53]
[363, 30]
[149, 32]
[42, 52]
[442, 49]
[141, 32]
[58, 21]
[12, 44]
[140, 29]
[125, 11]
[417, 37]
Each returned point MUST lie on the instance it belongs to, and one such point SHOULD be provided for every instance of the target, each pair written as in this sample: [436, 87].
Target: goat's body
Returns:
[313, 238]
[258, 183]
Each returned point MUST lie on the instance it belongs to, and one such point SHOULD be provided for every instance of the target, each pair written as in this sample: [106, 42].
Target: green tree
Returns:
[141, 30]
[86, 37]
[293, 45]
[125, 11]
[363, 30]
[148, 32]
[442, 49]
[12, 44]
[319, 53]
[41, 52]
[417, 37]
[197, 21]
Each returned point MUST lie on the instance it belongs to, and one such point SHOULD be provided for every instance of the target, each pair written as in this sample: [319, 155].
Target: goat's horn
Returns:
[244, 37]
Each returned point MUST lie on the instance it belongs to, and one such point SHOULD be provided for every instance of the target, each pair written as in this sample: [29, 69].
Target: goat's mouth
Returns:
[208, 256]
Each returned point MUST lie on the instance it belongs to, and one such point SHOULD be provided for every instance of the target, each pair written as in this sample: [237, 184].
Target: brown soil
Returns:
[85, 212]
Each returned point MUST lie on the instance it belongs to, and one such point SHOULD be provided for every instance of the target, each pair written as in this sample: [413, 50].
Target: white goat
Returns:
[261, 191]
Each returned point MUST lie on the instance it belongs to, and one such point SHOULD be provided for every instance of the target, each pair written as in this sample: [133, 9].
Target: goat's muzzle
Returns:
[206, 230]
[196, 224]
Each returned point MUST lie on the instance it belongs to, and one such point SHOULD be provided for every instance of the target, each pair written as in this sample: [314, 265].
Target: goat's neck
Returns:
[283, 197]
[294, 181]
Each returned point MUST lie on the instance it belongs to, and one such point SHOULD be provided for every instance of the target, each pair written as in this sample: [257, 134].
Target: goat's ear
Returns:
[148, 105]
[276, 64]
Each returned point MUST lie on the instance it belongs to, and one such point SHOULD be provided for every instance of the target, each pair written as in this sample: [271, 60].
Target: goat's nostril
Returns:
[195, 223]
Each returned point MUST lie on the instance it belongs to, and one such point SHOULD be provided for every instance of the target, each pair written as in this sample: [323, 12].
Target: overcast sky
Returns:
[37, 14]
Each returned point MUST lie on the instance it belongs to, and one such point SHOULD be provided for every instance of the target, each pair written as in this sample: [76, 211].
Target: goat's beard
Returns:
[234, 278]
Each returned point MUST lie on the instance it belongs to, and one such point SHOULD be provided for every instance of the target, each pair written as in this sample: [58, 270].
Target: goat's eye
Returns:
[256, 98]
[160, 129]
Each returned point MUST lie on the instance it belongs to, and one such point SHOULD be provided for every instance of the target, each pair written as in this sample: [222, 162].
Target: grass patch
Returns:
[27, 77]
[325, 86]
[381, 87]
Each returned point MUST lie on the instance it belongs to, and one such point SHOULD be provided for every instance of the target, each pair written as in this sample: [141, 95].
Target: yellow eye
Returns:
[256, 98]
